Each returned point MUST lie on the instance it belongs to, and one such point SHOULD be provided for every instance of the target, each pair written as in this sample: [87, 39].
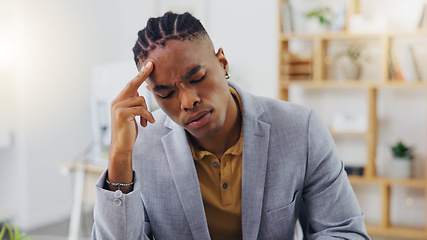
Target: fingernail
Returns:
[148, 64]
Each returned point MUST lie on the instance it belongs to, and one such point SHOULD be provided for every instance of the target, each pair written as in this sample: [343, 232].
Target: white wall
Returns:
[58, 44]
[248, 32]
[47, 101]
[48, 105]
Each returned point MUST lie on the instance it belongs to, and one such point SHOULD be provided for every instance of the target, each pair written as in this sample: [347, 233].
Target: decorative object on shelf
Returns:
[287, 23]
[355, 58]
[400, 166]
[324, 16]
[360, 24]
[342, 122]
[14, 233]
[355, 171]
[423, 19]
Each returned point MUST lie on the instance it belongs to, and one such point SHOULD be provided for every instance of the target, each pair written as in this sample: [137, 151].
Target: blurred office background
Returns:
[50, 51]
[57, 57]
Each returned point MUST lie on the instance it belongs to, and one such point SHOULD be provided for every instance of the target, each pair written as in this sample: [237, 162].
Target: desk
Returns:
[86, 175]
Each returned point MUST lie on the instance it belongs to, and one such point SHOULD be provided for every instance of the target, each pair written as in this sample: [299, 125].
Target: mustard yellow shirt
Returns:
[221, 186]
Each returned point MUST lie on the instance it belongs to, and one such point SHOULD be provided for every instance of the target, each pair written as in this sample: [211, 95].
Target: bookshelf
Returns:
[313, 73]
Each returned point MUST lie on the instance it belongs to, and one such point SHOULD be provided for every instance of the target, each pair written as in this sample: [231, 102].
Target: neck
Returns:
[228, 135]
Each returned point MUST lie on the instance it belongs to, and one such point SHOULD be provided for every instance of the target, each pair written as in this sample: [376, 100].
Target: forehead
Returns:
[177, 57]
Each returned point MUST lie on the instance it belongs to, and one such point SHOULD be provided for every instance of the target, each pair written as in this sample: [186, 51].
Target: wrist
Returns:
[123, 187]
[120, 167]
[120, 156]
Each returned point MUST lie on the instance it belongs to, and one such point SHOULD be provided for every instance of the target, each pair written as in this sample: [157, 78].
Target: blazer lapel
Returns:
[185, 177]
[256, 135]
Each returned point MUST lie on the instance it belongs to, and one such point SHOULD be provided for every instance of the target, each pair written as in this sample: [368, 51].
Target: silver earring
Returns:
[227, 76]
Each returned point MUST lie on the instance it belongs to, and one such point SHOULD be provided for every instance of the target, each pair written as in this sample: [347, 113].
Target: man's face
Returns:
[188, 82]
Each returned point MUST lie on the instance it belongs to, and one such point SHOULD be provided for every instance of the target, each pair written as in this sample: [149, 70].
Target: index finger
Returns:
[135, 83]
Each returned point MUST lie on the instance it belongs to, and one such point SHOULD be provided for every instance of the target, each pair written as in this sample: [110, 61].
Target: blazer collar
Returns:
[256, 134]
[185, 177]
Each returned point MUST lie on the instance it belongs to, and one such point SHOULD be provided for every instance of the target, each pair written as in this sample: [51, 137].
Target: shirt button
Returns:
[225, 185]
[118, 194]
[215, 164]
[117, 202]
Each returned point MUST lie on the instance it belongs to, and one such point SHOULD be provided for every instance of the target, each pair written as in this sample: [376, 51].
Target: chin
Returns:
[207, 131]
[202, 133]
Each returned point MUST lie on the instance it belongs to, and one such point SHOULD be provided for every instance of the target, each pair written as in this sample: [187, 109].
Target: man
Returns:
[215, 162]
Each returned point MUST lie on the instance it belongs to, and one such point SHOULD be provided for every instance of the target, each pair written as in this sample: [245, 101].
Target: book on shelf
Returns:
[423, 19]
[395, 73]
[297, 67]
[408, 64]
[339, 20]
[287, 23]
[403, 65]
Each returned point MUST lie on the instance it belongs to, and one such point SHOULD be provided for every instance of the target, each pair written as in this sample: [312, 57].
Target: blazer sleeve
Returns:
[119, 216]
[331, 209]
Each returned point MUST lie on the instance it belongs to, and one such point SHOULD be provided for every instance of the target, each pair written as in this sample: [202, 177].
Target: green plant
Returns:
[356, 56]
[14, 234]
[323, 14]
[354, 53]
[400, 150]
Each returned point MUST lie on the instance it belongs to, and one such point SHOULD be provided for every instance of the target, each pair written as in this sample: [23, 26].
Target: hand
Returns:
[124, 130]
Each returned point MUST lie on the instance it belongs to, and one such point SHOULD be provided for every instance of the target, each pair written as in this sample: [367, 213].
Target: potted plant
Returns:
[14, 234]
[324, 17]
[355, 57]
[400, 166]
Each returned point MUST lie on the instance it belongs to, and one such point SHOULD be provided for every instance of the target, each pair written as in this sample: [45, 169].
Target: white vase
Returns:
[400, 168]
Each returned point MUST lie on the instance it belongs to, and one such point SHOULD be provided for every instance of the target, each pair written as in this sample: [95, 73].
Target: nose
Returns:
[189, 99]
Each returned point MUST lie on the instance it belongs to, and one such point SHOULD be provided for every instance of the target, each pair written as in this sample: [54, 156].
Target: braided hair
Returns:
[160, 29]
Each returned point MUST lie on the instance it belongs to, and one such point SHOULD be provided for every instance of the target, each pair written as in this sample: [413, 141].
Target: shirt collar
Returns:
[236, 149]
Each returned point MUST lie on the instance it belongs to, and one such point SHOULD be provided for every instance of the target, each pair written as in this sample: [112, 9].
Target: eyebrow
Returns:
[188, 74]
[158, 88]
[193, 71]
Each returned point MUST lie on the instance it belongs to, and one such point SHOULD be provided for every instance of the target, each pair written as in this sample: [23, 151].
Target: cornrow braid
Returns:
[167, 27]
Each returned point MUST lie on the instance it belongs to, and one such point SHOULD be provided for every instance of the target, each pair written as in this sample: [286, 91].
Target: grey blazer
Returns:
[291, 170]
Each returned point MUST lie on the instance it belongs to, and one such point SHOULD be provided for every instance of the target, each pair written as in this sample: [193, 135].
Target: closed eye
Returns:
[198, 80]
[167, 96]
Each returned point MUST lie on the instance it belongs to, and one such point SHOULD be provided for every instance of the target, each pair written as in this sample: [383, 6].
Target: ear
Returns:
[222, 60]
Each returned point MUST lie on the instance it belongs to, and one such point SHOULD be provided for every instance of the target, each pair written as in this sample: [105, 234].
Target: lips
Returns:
[198, 119]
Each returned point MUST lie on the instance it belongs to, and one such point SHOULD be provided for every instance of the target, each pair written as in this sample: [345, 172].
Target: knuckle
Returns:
[130, 84]
[141, 100]
[120, 113]
[113, 104]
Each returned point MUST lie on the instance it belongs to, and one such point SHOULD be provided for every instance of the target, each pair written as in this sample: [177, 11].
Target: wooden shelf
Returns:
[391, 84]
[411, 183]
[355, 134]
[352, 36]
[327, 84]
[319, 79]
[351, 84]
[81, 165]
[397, 231]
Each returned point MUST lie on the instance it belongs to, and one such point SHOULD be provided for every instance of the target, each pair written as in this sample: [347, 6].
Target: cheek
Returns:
[221, 90]
[169, 107]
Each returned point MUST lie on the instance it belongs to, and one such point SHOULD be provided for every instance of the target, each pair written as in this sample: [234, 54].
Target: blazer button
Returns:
[118, 194]
[117, 202]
